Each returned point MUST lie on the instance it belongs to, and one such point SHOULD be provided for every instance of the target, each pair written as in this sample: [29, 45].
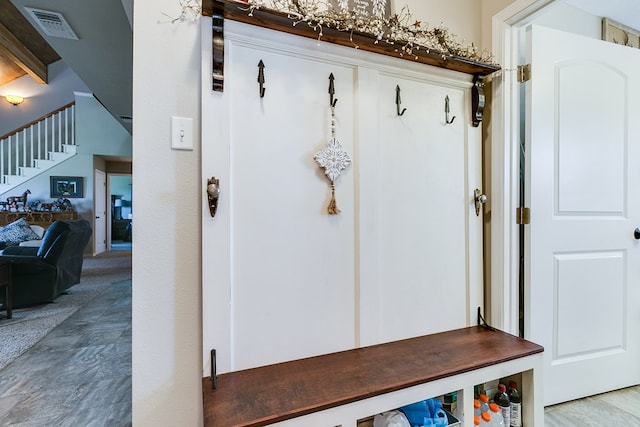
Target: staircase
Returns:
[37, 147]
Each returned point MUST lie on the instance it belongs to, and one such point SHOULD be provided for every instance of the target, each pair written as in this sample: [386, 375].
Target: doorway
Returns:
[563, 276]
[121, 211]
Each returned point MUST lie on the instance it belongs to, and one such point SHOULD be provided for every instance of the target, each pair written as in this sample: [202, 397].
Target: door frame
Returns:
[96, 196]
[108, 202]
[505, 162]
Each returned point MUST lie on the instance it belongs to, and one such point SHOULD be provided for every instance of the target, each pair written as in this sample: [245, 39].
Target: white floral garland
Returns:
[397, 29]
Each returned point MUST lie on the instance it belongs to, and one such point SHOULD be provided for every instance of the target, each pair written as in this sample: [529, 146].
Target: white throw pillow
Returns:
[37, 229]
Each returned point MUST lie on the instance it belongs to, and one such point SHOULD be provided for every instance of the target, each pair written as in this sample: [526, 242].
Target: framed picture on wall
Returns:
[66, 186]
[615, 32]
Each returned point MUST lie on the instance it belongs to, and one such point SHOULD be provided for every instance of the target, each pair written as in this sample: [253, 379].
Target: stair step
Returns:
[57, 156]
[44, 164]
[69, 148]
[39, 167]
[13, 180]
[29, 171]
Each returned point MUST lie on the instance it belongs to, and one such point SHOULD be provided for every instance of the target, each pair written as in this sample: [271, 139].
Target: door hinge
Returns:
[523, 216]
[524, 73]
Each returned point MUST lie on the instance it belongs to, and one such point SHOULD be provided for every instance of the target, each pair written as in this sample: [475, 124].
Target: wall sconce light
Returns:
[14, 99]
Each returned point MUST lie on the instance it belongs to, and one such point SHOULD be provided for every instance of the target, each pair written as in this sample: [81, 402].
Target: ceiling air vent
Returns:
[52, 23]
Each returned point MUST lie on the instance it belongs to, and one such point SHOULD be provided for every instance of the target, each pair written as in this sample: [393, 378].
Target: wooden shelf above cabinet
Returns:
[238, 11]
[43, 219]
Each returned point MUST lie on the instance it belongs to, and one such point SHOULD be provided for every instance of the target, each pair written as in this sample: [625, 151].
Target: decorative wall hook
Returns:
[447, 111]
[477, 100]
[261, 78]
[399, 101]
[332, 91]
[213, 192]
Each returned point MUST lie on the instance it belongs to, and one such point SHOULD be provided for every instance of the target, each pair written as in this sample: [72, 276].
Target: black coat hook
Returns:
[261, 78]
[446, 111]
[399, 101]
[332, 91]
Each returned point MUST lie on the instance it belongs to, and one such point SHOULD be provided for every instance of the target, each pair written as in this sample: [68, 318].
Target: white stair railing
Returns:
[32, 145]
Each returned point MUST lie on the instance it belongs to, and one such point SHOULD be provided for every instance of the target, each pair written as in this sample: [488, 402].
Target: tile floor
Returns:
[79, 374]
[617, 408]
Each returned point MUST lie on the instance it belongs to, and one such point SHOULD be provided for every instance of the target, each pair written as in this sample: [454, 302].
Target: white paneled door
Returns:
[583, 163]
[100, 210]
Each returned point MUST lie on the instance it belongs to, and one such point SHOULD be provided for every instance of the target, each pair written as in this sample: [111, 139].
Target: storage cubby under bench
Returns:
[340, 388]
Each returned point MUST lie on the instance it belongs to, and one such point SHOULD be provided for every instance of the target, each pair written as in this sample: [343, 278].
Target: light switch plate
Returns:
[181, 133]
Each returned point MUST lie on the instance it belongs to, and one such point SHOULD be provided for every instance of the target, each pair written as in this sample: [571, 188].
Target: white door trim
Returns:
[97, 195]
[108, 204]
[505, 155]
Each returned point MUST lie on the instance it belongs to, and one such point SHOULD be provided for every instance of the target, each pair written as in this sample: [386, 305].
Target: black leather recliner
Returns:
[42, 274]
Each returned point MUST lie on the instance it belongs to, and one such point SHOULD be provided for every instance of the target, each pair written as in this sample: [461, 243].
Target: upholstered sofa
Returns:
[40, 274]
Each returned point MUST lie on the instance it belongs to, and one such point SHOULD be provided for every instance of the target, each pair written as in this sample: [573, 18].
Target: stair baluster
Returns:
[36, 147]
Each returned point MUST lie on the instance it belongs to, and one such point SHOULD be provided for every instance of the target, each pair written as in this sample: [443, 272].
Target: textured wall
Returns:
[39, 99]
[167, 193]
[460, 17]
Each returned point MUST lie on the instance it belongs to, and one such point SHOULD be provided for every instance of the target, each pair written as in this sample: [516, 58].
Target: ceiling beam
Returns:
[13, 48]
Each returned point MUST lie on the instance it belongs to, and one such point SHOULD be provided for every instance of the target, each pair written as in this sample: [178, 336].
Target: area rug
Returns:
[29, 325]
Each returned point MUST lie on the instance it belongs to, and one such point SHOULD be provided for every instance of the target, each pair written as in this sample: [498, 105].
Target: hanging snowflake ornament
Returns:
[334, 160]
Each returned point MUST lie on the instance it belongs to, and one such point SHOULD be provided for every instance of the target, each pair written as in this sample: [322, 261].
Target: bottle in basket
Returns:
[502, 400]
[516, 404]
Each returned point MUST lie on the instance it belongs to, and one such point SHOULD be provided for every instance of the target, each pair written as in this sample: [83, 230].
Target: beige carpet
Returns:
[29, 325]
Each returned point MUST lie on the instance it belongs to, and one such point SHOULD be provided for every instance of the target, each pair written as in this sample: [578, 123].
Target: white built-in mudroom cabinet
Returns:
[325, 320]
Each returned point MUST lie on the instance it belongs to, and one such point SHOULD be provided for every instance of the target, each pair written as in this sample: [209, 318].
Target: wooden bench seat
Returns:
[274, 393]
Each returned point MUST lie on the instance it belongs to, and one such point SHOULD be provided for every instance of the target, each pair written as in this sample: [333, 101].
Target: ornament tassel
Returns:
[333, 207]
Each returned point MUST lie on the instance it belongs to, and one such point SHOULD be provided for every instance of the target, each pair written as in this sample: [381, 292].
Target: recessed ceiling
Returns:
[626, 12]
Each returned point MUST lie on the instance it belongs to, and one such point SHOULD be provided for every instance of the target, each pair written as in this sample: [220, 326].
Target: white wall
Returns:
[561, 16]
[167, 337]
[460, 17]
[489, 9]
[39, 99]
[97, 133]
